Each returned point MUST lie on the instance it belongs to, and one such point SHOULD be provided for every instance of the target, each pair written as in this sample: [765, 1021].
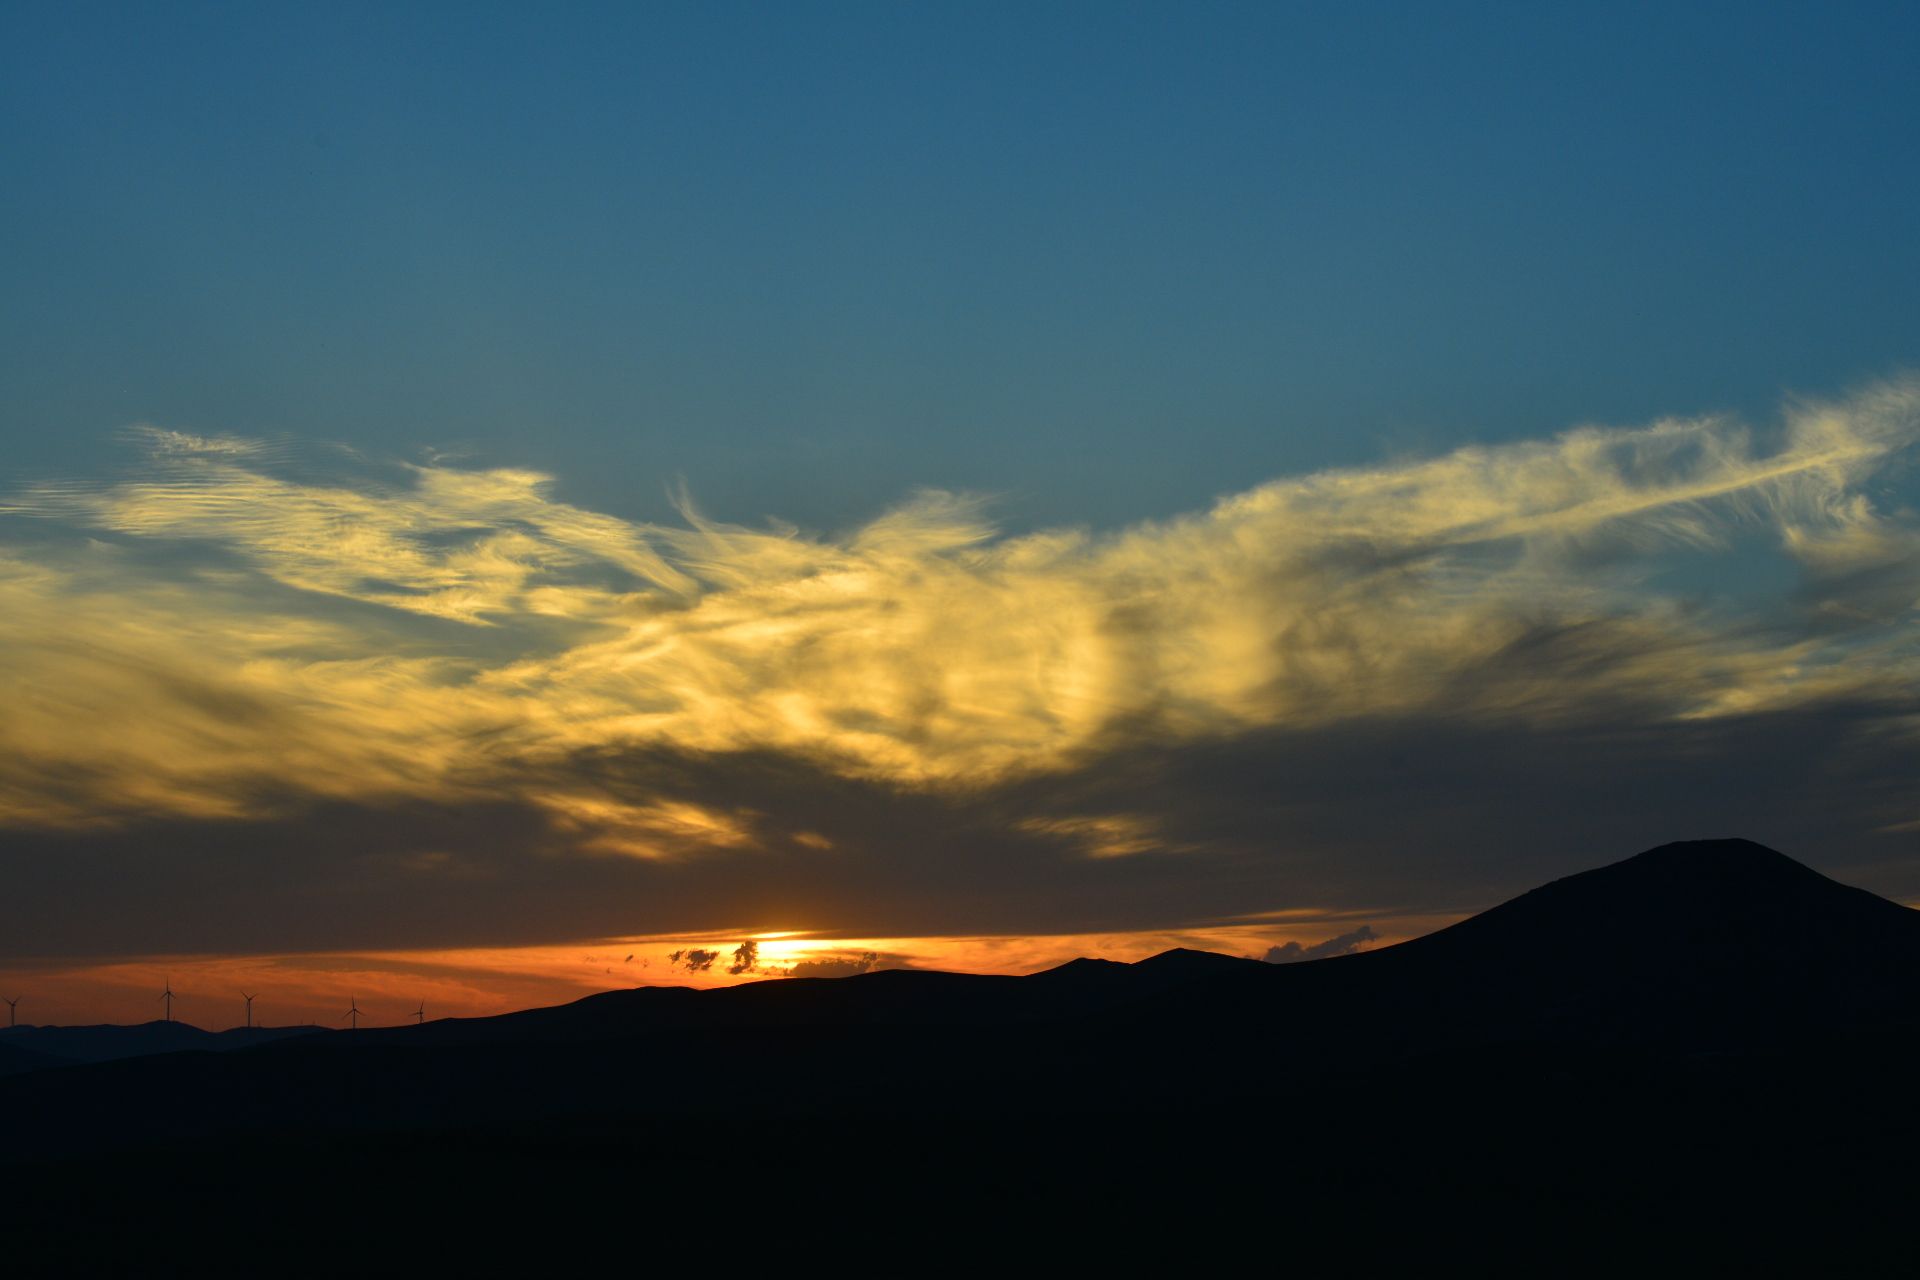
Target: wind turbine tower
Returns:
[10, 1011]
[420, 1014]
[353, 1012]
[168, 997]
[249, 1000]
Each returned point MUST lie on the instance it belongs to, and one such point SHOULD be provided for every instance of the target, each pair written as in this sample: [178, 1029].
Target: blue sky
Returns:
[1105, 261]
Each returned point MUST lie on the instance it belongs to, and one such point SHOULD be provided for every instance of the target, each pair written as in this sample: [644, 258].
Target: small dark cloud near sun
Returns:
[1344, 945]
[839, 967]
[847, 965]
[694, 960]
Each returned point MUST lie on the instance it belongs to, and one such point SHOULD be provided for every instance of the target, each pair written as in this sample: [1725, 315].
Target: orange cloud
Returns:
[482, 981]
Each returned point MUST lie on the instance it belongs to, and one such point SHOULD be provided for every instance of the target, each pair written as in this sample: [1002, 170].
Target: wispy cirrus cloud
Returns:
[235, 629]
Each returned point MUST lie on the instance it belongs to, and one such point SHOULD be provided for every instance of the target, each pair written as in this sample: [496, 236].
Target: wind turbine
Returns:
[168, 997]
[249, 1000]
[420, 1014]
[10, 1006]
[353, 1012]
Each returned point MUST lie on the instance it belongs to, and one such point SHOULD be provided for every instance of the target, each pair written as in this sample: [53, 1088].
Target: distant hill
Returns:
[1704, 945]
[1721, 943]
[16, 1059]
[886, 998]
[1708, 942]
[1707, 1033]
[1729, 907]
[108, 1042]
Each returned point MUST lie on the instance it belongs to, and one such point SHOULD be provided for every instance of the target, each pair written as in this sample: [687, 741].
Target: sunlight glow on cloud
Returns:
[484, 981]
[1112, 835]
[657, 830]
[235, 625]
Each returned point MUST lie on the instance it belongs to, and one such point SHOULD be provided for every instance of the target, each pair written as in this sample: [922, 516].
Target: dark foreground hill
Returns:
[66, 1046]
[1707, 1043]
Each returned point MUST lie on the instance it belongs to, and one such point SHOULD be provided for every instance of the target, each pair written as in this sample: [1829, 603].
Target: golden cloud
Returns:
[231, 627]
[1110, 835]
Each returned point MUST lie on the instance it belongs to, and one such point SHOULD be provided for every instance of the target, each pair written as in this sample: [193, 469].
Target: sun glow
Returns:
[484, 981]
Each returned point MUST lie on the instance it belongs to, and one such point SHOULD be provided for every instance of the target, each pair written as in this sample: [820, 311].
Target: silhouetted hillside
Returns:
[900, 998]
[1708, 1025]
[1729, 906]
[1703, 945]
[107, 1042]
[15, 1058]
[1183, 964]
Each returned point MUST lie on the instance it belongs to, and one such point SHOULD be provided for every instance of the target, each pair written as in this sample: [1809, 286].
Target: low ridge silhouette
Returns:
[1712, 941]
[1697, 945]
[1709, 1023]
[65, 1046]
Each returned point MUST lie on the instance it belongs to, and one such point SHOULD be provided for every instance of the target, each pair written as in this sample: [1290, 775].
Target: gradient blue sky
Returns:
[1105, 261]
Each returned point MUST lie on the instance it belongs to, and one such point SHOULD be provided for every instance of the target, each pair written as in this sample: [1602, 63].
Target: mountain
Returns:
[1705, 943]
[1184, 964]
[1702, 944]
[1704, 1035]
[1731, 907]
[889, 998]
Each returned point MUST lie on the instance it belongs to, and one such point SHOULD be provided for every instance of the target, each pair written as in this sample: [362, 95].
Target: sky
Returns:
[493, 499]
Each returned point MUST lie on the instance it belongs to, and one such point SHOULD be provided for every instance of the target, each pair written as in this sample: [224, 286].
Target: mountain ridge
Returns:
[1445, 1054]
[1706, 941]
